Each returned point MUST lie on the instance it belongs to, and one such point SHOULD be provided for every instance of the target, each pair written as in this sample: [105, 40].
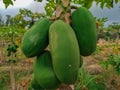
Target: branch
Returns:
[74, 7]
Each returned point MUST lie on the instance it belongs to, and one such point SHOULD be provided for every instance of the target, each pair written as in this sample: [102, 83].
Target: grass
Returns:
[20, 72]
[108, 80]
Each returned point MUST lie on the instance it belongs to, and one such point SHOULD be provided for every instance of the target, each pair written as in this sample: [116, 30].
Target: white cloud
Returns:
[17, 4]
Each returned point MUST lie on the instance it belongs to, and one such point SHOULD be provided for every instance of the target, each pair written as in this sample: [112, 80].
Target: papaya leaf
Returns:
[7, 3]
[88, 5]
[50, 7]
[38, 0]
[116, 1]
[102, 5]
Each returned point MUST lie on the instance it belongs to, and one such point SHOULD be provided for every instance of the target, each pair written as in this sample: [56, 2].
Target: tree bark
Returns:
[12, 77]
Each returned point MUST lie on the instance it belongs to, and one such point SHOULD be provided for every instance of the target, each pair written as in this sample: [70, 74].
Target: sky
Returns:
[17, 3]
[29, 4]
[112, 14]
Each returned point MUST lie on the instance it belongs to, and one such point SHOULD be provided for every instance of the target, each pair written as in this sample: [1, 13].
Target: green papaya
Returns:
[83, 23]
[10, 48]
[44, 73]
[34, 84]
[64, 51]
[35, 40]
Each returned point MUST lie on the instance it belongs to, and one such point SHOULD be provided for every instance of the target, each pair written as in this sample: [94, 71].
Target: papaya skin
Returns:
[84, 25]
[35, 40]
[44, 73]
[34, 84]
[64, 51]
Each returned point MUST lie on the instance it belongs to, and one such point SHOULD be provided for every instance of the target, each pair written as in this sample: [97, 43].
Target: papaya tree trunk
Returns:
[12, 77]
[2, 52]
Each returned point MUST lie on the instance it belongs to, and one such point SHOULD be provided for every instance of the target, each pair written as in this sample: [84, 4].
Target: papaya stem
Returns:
[52, 19]
[74, 7]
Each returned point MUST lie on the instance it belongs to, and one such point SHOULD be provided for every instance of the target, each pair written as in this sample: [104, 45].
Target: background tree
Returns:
[115, 30]
[53, 10]
[52, 4]
[115, 26]
[100, 24]
[8, 17]
[1, 21]
[25, 18]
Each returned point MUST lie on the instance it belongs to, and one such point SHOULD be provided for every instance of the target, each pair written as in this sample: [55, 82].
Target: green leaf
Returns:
[116, 1]
[95, 85]
[7, 3]
[38, 0]
[50, 7]
[88, 4]
[102, 5]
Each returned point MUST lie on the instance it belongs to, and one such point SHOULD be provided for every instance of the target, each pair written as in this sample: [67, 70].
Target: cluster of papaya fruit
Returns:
[11, 48]
[67, 44]
[11, 52]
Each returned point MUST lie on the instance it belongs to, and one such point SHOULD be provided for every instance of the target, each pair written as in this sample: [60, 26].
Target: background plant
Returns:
[50, 8]
[88, 81]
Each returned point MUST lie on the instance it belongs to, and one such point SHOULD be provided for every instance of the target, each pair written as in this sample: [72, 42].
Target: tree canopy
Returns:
[51, 5]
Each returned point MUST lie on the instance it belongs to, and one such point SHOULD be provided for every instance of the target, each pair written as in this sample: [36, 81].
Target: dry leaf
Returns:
[53, 18]
[58, 11]
[65, 2]
[116, 51]
[67, 18]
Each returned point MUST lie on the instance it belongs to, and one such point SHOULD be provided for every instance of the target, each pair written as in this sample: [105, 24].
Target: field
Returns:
[72, 33]
[97, 69]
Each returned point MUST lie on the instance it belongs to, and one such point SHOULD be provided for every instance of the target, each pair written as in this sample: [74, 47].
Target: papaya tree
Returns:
[25, 18]
[53, 10]
[115, 30]
[85, 3]
[59, 11]
[11, 54]
[9, 34]
[100, 24]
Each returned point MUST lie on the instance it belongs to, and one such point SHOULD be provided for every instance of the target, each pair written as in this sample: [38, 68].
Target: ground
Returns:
[23, 68]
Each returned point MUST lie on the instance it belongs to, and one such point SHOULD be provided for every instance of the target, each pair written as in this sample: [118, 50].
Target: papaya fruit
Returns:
[65, 52]
[84, 25]
[34, 84]
[44, 73]
[35, 40]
